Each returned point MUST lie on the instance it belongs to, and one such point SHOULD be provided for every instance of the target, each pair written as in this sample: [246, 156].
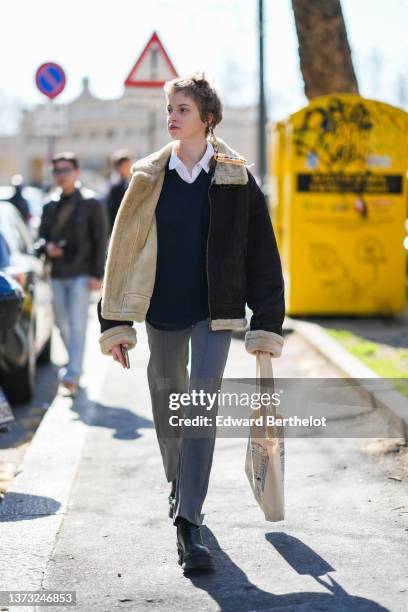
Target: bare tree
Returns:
[325, 56]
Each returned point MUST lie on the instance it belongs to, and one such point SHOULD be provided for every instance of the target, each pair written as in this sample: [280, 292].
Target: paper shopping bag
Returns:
[265, 456]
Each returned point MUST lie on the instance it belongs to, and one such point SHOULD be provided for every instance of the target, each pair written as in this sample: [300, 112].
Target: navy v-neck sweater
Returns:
[180, 295]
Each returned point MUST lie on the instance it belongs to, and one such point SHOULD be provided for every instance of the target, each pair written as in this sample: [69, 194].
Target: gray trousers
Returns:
[187, 452]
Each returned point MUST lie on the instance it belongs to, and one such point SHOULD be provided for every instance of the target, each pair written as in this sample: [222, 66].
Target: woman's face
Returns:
[183, 117]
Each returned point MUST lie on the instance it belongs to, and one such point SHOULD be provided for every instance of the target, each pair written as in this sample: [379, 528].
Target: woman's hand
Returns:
[117, 354]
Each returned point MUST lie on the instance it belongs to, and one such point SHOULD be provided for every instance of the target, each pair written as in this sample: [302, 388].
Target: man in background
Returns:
[18, 199]
[74, 233]
[122, 161]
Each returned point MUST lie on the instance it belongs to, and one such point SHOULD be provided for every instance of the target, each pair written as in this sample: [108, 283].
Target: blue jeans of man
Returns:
[187, 452]
[71, 299]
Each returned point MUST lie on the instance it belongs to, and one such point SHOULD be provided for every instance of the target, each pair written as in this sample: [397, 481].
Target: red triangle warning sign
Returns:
[153, 67]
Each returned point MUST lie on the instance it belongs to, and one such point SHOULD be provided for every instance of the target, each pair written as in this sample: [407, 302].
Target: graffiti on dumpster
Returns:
[336, 134]
[336, 277]
[337, 138]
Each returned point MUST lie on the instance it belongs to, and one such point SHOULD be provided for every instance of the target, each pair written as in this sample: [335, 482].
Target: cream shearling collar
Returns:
[224, 173]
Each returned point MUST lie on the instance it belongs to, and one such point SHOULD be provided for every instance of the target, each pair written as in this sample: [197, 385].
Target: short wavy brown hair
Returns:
[197, 87]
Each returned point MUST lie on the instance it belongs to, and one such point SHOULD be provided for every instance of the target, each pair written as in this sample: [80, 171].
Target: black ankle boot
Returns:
[191, 550]
[172, 498]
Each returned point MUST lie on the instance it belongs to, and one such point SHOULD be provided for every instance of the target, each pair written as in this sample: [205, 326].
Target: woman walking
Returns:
[191, 245]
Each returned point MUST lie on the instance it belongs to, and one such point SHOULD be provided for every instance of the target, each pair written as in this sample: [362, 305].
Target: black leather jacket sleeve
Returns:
[265, 284]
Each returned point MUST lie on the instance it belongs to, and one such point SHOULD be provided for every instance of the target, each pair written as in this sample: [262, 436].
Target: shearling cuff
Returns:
[260, 340]
[120, 334]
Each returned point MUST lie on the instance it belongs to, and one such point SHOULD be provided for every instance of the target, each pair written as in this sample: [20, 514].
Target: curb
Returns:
[384, 397]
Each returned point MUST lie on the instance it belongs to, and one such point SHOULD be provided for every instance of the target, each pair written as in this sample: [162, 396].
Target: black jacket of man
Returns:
[115, 197]
[85, 234]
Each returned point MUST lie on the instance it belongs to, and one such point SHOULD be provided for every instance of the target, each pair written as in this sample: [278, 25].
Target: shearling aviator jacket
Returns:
[243, 263]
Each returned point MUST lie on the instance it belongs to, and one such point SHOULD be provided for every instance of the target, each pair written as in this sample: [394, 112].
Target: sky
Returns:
[102, 40]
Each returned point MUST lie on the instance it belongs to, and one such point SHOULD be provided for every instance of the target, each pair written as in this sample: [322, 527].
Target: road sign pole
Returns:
[51, 140]
[50, 80]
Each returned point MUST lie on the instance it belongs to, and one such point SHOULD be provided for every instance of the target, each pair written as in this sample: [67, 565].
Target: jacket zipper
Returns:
[208, 240]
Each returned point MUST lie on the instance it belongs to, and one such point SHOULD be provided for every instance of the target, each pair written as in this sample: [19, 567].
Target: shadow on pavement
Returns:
[22, 507]
[232, 590]
[124, 422]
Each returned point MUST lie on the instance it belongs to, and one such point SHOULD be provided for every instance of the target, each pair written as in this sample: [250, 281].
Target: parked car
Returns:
[35, 199]
[11, 305]
[30, 338]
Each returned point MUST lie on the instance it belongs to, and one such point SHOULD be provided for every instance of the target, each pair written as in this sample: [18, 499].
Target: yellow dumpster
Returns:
[338, 183]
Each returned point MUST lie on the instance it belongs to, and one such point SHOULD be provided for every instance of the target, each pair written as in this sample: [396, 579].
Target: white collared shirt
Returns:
[175, 162]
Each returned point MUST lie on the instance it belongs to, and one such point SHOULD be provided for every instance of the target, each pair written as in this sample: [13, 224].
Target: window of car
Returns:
[14, 231]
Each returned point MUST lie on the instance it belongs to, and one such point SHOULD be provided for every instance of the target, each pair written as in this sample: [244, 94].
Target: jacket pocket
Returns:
[135, 302]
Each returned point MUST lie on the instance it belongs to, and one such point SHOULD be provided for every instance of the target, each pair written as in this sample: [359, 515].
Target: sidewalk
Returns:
[88, 511]
[363, 348]
[392, 331]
